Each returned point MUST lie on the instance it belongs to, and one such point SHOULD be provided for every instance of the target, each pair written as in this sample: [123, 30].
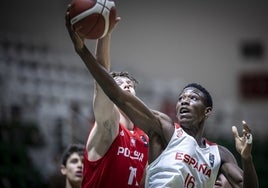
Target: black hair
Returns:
[208, 98]
[72, 148]
[124, 74]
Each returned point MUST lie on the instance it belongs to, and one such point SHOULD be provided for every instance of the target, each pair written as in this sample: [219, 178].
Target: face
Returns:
[74, 168]
[191, 107]
[126, 84]
[222, 182]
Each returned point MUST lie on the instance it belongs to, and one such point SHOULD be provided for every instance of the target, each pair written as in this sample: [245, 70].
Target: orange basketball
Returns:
[92, 19]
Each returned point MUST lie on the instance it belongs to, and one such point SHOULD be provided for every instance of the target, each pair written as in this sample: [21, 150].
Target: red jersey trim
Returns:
[207, 141]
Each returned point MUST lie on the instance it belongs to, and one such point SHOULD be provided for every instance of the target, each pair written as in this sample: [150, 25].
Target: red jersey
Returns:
[122, 165]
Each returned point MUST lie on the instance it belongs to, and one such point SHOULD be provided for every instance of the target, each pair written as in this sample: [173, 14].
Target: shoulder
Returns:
[167, 125]
[161, 115]
[210, 143]
[164, 119]
[226, 155]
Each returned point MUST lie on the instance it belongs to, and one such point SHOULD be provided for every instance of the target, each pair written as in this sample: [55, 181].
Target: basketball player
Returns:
[179, 155]
[116, 150]
[72, 165]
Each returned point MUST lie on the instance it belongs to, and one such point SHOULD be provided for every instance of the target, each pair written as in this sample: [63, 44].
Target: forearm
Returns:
[250, 176]
[103, 51]
[102, 104]
[100, 74]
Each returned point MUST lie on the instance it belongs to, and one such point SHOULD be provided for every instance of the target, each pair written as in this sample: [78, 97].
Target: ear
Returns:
[208, 112]
[63, 169]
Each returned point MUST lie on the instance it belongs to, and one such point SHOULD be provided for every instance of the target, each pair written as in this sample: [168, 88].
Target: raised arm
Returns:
[106, 113]
[246, 178]
[134, 108]
[244, 147]
[104, 109]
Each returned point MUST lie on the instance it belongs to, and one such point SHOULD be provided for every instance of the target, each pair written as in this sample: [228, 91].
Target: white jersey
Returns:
[183, 164]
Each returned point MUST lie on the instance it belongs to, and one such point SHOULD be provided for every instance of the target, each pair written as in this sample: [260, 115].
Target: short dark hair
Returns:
[124, 74]
[208, 98]
[72, 148]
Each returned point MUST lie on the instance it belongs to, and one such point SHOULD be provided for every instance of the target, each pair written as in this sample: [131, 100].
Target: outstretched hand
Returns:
[243, 143]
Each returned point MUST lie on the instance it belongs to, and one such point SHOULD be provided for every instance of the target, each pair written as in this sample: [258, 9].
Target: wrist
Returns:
[107, 37]
[247, 158]
[80, 49]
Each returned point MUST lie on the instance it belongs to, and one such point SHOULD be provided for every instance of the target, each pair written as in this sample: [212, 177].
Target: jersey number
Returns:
[132, 176]
[189, 181]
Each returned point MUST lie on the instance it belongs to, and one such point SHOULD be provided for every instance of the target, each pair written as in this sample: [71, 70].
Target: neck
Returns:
[126, 122]
[196, 132]
[72, 185]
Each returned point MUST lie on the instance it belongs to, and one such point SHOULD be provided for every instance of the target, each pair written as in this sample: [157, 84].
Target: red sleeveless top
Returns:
[123, 164]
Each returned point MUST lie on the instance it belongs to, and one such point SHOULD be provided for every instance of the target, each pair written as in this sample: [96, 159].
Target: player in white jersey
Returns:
[185, 163]
[194, 106]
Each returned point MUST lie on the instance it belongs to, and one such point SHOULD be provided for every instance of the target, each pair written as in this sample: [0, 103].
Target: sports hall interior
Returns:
[46, 91]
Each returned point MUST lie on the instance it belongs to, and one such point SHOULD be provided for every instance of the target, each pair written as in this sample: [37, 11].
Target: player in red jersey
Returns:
[116, 150]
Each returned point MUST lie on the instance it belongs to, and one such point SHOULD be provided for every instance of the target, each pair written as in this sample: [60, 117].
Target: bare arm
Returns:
[103, 54]
[104, 108]
[248, 177]
[230, 168]
[244, 147]
[106, 113]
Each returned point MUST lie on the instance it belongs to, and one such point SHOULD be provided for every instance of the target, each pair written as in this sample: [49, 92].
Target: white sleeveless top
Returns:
[183, 164]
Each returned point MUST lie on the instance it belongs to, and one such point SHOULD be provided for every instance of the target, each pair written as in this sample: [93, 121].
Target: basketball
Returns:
[92, 19]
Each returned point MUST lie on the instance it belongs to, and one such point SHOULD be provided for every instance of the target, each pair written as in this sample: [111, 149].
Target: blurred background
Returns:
[46, 91]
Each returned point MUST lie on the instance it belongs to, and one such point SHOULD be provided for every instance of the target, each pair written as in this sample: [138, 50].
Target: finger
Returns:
[244, 133]
[247, 133]
[235, 132]
[246, 127]
[117, 19]
[67, 16]
[246, 130]
[68, 22]
[67, 19]
[68, 7]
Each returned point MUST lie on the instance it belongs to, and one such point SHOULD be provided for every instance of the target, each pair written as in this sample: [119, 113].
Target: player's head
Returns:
[125, 81]
[72, 164]
[208, 98]
[194, 104]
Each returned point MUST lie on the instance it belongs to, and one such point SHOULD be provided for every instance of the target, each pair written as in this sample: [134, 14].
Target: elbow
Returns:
[238, 183]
